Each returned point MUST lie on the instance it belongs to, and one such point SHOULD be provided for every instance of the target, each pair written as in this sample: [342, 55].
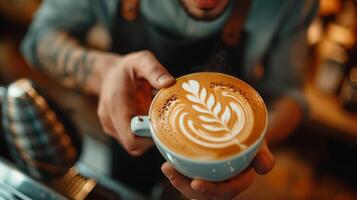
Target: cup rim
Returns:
[226, 159]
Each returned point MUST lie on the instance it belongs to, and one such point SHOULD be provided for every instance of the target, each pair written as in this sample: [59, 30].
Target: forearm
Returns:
[284, 117]
[73, 65]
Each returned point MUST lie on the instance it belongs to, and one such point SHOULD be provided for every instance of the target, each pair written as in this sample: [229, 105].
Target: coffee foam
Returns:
[208, 116]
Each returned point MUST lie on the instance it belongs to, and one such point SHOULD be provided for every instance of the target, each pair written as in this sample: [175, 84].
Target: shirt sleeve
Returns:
[72, 16]
[287, 59]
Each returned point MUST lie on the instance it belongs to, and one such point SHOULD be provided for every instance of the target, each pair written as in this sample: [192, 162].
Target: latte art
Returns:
[221, 117]
[208, 116]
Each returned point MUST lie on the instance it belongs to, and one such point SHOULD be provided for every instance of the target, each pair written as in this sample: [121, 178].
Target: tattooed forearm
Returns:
[66, 60]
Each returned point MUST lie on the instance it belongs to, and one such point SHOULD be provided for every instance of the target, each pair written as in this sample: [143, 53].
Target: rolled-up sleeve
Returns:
[72, 16]
[287, 61]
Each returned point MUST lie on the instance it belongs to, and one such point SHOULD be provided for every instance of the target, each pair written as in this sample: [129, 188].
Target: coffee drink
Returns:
[208, 116]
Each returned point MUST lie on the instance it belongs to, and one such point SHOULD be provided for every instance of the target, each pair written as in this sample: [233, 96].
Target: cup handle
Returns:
[140, 126]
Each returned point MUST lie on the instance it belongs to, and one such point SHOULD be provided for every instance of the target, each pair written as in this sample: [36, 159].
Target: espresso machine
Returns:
[42, 149]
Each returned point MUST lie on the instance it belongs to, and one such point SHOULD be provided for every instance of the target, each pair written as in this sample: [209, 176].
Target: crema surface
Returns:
[208, 116]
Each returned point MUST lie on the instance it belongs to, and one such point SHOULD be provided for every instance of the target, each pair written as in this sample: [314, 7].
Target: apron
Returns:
[180, 57]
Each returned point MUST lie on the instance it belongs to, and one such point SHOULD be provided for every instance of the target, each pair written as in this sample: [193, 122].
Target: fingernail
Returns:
[167, 173]
[165, 78]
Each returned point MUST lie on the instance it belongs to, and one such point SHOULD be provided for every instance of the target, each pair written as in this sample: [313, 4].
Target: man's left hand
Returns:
[199, 189]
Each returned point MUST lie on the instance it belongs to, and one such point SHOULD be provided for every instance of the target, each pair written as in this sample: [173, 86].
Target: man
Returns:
[262, 42]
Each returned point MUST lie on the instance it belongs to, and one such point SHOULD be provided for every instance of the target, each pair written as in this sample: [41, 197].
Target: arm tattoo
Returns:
[67, 61]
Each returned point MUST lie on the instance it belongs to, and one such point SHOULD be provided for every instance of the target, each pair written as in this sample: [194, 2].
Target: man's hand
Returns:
[230, 189]
[123, 93]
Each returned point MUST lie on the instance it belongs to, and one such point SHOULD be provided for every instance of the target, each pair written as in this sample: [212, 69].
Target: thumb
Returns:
[151, 69]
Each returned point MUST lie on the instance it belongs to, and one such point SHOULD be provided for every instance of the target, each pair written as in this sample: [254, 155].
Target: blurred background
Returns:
[319, 161]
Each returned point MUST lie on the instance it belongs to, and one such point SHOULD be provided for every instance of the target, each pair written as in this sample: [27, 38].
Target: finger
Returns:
[108, 127]
[143, 97]
[105, 121]
[227, 189]
[121, 118]
[180, 182]
[107, 124]
[151, 69]
[264, 161]
[134, 145]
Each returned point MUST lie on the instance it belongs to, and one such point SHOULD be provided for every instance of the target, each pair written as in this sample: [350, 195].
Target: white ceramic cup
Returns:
[212, 170]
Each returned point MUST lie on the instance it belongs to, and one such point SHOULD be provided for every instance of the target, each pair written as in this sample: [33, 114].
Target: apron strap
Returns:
[231, 33]
[130, 9]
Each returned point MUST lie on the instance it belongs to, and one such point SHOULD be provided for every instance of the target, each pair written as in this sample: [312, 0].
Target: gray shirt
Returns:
[276, 34]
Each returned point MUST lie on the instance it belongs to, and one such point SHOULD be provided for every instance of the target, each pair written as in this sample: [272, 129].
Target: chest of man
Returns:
[220, 51]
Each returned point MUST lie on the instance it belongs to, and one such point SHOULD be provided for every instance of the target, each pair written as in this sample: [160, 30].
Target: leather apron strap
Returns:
[231, 33]
[130, 9]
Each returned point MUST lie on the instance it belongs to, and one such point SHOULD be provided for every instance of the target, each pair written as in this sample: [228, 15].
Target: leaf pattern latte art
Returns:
[214, 117]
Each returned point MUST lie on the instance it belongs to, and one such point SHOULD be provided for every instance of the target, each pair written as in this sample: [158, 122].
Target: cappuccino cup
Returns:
[207, 125]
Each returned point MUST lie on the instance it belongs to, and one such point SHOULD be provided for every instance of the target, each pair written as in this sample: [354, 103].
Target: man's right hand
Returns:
[121, 84]
[118, 80]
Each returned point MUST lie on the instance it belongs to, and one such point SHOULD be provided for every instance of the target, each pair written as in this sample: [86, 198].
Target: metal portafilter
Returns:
[41, 140]
[36, 138]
